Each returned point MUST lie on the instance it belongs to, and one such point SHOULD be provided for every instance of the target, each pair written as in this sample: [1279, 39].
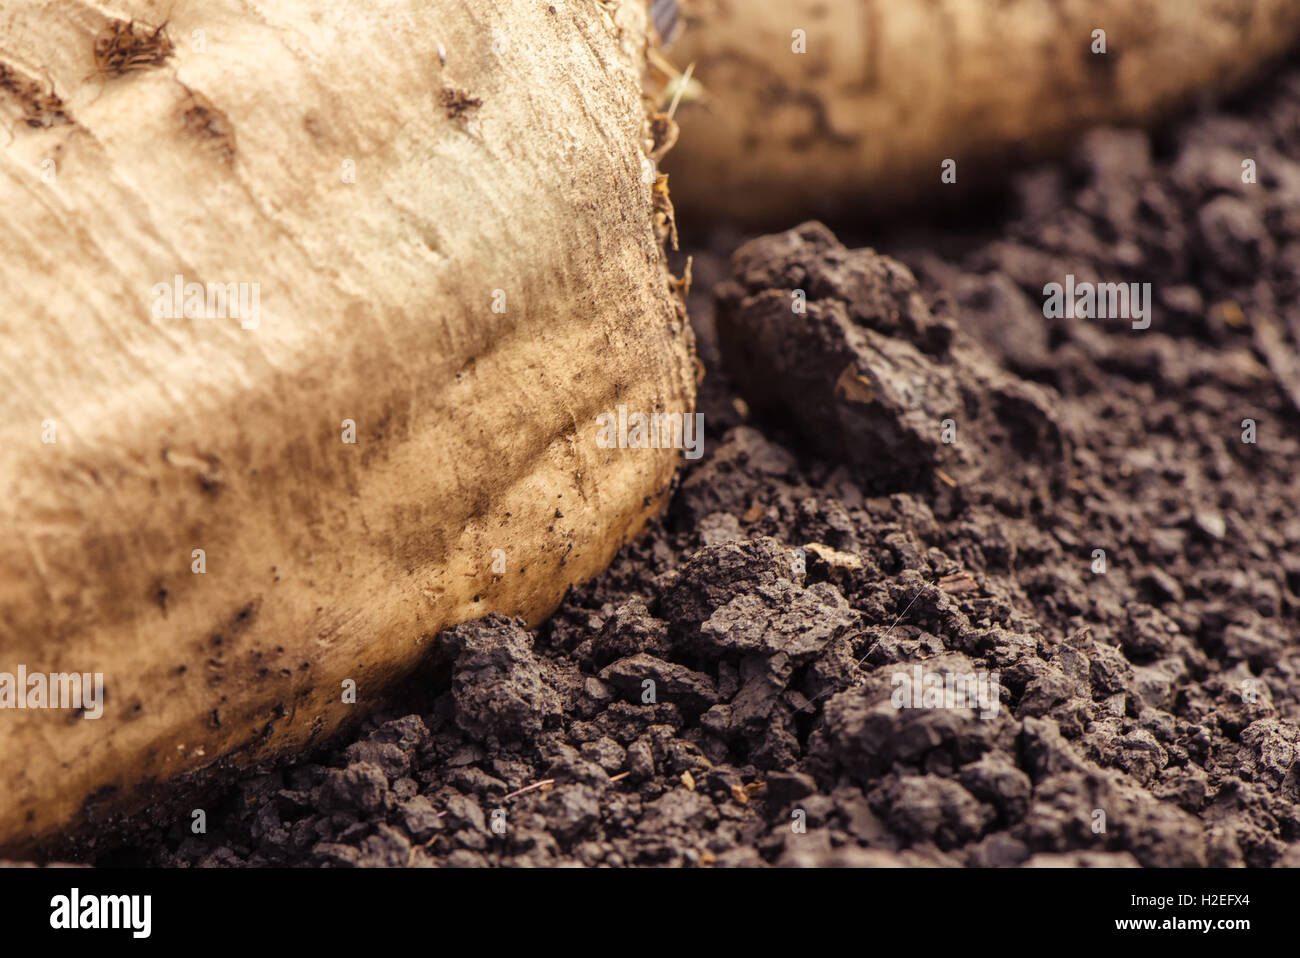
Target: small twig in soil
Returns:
[544, 783]
[958, 582]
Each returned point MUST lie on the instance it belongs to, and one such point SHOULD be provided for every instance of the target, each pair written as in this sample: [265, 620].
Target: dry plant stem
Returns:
[536, 786]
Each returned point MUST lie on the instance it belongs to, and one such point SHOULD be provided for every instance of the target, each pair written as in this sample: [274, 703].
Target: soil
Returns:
[725, 693]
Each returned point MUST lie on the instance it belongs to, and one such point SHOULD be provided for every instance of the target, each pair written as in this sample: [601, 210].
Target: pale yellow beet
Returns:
[886, 90]
[385, 179]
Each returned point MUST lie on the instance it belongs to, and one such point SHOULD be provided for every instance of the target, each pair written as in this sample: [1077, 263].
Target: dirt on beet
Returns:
[916, 474]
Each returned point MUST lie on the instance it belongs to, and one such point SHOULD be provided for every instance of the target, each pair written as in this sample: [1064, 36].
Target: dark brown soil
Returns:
[1149, 714]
